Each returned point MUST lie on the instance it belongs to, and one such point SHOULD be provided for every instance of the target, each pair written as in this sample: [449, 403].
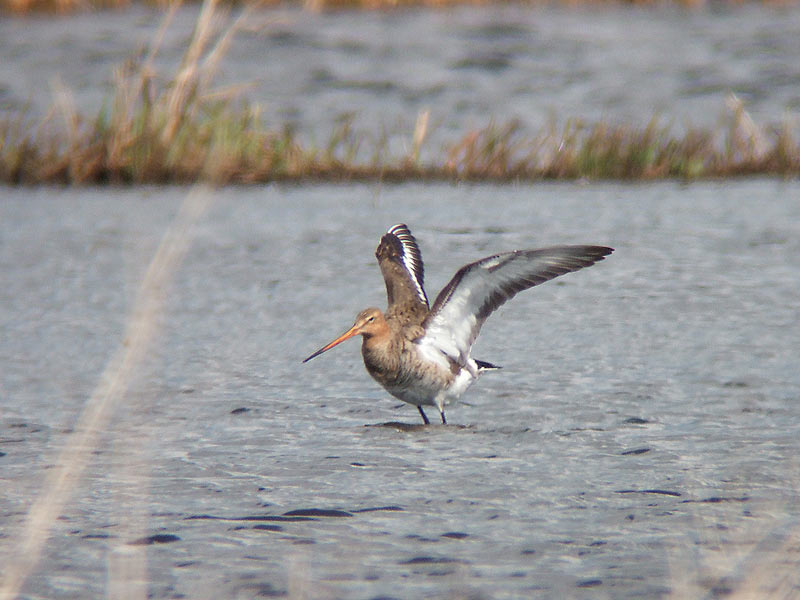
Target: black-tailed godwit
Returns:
[421, 355]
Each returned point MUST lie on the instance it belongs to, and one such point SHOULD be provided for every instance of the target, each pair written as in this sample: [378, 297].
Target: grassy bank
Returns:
[181, 129]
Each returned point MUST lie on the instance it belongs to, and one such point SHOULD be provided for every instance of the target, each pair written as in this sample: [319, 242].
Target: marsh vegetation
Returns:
[180, 127]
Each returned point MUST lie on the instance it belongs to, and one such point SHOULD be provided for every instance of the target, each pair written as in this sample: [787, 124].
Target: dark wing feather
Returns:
[401, 264]
[479, 288]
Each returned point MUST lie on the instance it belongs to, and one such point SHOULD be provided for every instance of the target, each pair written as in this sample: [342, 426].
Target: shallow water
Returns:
[641, 439]
[466, 65]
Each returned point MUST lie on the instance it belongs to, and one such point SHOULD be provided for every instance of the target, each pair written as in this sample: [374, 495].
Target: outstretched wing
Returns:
[401, 264]
[479, 288]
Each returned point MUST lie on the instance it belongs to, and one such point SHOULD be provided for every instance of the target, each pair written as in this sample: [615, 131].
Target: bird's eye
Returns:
[370, 320]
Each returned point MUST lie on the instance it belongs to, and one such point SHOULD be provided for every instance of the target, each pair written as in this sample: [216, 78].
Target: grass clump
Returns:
[625, 152]
[178, 131]
[183, 129]
[619, 151]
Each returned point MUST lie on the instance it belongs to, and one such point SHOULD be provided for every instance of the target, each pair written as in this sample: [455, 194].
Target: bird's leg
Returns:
[444, 421]
[424, 416]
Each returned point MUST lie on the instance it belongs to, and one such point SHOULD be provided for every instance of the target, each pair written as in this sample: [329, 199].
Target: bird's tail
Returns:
[486, 366]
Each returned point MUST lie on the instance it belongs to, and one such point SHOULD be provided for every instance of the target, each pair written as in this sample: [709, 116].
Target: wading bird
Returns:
[421, 355]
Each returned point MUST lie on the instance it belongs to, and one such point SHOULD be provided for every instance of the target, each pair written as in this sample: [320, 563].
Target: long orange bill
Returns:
[345, 336]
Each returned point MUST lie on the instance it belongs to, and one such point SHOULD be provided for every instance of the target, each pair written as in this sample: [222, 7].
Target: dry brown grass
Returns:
[606, 151]
[182, 129]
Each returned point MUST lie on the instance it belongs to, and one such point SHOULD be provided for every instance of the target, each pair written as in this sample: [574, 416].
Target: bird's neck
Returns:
[378, 352]
[379, 336]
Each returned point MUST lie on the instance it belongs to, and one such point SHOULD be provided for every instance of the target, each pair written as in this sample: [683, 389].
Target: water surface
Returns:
[641, 439]
[466, 65]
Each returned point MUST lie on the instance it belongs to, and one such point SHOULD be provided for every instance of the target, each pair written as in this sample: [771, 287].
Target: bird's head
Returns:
[369, 322]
